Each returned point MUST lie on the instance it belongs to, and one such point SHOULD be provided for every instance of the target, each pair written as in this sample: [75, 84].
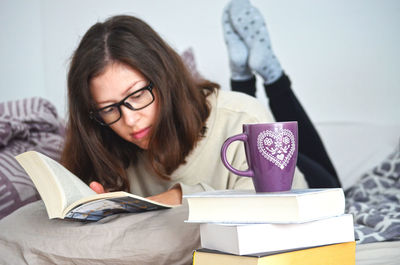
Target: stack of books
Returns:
[305, 226]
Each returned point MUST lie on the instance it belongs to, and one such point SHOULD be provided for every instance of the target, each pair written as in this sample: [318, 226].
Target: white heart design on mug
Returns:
[277, 146]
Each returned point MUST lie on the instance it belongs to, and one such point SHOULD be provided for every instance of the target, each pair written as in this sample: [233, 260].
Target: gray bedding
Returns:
[26, 124]
[374, 202]
[157, 237]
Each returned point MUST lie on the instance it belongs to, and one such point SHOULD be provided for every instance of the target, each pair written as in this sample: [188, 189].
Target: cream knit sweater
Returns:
[203, 169]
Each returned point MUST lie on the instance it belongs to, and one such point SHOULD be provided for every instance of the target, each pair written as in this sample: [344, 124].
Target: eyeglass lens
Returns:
[138, 100]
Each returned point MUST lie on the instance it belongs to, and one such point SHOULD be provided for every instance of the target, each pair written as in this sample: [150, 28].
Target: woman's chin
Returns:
[144, 144]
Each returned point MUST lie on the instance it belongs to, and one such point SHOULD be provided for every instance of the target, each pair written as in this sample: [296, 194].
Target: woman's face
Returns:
[114, 84]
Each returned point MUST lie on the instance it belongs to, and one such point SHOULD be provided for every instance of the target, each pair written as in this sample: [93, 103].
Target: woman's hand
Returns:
[171, 197]
[97, 187]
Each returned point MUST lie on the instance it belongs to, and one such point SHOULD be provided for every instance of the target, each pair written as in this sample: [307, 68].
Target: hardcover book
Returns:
[246, 206]
[244, 239]
[66, 196]
[336, 254]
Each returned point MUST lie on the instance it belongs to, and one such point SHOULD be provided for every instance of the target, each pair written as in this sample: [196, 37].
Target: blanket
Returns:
[26, 124]
[374, 202]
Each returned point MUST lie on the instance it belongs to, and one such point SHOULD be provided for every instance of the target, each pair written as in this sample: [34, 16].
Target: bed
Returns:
[364, 154]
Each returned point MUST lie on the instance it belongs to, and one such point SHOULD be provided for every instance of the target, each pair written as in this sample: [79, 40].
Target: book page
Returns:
[96, 210]
[119, 196]
[73, 188]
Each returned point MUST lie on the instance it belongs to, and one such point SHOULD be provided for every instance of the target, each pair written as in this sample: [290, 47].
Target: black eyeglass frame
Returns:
[94, 114]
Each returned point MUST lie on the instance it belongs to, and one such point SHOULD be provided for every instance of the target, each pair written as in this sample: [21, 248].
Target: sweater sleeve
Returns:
[242, 183]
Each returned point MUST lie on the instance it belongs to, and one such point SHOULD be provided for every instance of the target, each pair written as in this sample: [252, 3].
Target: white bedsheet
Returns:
[386, 253]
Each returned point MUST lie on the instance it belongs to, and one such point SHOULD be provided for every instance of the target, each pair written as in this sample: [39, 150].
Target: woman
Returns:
[138, 121]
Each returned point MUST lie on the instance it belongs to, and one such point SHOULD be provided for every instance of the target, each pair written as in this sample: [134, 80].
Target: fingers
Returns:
[97, 187]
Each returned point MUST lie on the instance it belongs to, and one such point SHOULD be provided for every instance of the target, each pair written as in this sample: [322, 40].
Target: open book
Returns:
[66, 196]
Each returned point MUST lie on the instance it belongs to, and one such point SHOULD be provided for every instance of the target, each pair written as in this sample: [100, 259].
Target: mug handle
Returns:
[239, 137]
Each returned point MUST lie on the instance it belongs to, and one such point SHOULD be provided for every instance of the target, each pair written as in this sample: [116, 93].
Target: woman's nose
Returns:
[130, 117]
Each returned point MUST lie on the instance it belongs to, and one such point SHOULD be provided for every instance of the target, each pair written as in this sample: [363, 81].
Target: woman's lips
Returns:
[140, 134]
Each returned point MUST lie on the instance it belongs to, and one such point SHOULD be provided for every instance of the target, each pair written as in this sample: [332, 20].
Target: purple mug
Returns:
[271, 154]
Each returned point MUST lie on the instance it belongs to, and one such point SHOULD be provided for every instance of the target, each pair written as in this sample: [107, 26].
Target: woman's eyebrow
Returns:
[130, 90]
[126, 92]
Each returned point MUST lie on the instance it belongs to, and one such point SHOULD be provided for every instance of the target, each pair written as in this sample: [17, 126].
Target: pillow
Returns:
[190, 62]
[27, 124]
[356, 147]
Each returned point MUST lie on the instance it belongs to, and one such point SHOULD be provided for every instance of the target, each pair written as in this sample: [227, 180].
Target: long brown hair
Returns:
[94, 152]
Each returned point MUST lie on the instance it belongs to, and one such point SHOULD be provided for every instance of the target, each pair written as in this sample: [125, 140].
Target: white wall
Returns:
[21, 57]
[342, 56]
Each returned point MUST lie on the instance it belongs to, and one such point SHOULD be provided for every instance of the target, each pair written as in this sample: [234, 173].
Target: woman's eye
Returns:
[137, 95]
[108, 110]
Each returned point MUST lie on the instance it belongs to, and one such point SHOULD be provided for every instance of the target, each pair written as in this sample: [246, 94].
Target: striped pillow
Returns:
[27, 124]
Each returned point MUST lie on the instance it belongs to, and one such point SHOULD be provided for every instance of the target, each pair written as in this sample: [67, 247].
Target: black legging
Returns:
[313, 160]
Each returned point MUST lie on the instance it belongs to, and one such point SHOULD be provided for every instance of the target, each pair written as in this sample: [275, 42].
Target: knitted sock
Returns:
[248, 22]
[237, 50]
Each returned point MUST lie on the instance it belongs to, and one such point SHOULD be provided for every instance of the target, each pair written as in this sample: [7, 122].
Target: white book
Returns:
[245, 239]
[246, 206]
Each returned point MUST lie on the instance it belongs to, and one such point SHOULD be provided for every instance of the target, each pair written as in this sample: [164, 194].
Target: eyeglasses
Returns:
[135, 101]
